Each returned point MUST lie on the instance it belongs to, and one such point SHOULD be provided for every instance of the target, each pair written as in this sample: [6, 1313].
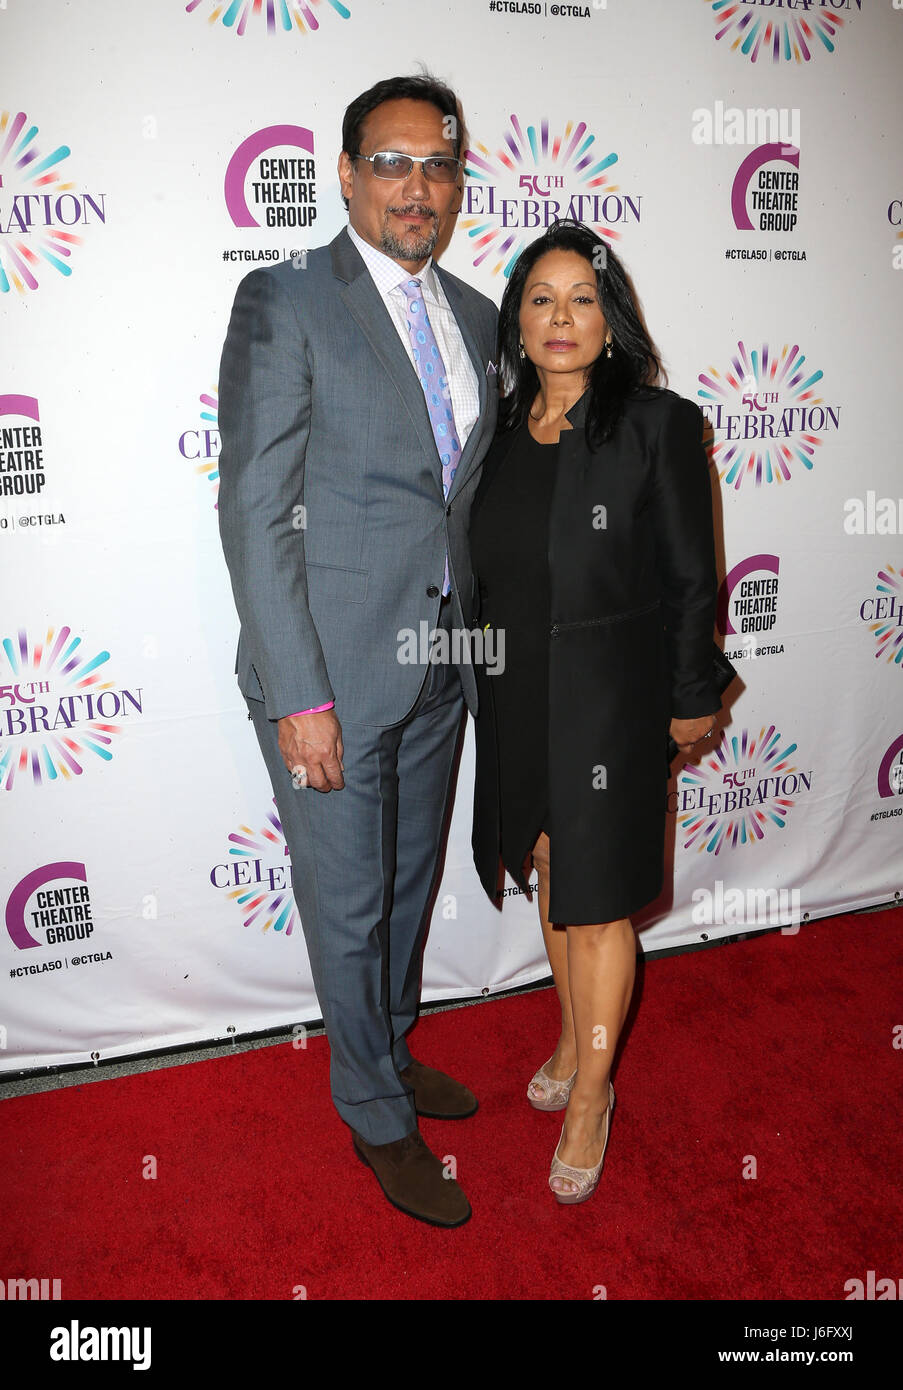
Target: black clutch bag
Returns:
[724, 673]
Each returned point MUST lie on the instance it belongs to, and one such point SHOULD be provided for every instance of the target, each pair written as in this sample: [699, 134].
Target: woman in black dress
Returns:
[593, 550]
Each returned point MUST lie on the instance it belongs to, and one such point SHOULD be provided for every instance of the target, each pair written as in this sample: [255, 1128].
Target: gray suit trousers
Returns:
[364, 863]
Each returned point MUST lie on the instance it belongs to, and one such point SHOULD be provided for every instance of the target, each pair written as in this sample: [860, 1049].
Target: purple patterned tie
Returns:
[433, 379]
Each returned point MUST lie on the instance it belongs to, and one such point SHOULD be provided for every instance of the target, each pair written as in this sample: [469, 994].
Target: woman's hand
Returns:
[688, 733]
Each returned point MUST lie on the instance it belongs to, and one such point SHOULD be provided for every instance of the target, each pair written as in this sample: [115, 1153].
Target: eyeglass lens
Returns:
[397, 166]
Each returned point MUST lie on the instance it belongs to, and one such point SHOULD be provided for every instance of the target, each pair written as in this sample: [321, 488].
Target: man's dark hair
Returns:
[423, 88]
[634, 362]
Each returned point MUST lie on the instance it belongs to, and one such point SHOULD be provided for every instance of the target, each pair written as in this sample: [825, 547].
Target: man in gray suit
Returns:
[357, 398]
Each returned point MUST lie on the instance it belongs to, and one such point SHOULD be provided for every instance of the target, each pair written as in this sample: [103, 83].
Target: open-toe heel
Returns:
[545, 1093]
[585, 1180]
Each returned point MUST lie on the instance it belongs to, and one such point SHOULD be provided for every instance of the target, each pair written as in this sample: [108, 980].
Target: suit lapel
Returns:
[366, 306]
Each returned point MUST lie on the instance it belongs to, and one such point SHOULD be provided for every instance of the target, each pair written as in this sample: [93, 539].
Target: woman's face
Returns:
[561, 320]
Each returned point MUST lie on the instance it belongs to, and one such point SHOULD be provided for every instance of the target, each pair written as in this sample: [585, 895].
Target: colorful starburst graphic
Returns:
[736, 791]
[285, 16]
[785, 38]
[25, 172]
[774, 393]
[52, 673]
[543, 163]
[209, 467]
[887, 631]
[262, 906]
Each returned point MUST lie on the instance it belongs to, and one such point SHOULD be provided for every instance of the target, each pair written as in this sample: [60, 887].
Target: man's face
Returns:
[402, 217]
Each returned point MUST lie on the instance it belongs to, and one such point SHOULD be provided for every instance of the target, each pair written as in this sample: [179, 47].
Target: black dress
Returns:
[509, 541]
[629, 578]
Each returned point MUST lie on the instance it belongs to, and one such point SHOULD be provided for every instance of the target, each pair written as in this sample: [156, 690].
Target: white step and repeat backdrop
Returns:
[743, 159]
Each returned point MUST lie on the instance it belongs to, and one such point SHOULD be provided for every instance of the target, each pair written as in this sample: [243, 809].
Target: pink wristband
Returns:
[316, 709]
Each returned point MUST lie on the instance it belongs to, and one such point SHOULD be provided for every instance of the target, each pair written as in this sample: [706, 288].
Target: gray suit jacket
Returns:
[331, 510]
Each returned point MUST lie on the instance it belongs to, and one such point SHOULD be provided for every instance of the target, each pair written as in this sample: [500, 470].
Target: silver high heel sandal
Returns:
[586, 1180]
[551, 1094]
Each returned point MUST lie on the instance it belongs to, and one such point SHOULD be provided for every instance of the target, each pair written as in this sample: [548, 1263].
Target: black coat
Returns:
[630, 647]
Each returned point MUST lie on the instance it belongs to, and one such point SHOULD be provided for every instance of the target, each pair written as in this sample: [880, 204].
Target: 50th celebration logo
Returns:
[201, 445]
[882, 612]
[786, 31]
[258, 877]
[56, 708]
[533, 178]
[767, 420]
[38, 207]
[737, 792]
[279, 16]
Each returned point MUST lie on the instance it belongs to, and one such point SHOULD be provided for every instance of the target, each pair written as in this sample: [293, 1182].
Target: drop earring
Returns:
[608, 347]
[520, 349]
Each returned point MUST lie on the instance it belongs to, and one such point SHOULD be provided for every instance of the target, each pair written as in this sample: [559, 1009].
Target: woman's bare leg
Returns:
[564, 1061]
[601, 968]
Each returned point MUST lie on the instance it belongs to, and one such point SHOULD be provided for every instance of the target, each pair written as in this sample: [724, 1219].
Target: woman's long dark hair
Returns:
[634, 361]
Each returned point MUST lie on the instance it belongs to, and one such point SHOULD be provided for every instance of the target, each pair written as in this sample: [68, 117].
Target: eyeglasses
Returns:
[387, 164]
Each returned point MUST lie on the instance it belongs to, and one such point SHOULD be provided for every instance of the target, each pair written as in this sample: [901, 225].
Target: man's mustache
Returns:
[415, 210]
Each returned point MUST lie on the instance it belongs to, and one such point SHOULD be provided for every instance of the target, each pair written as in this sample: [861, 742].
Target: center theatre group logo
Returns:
[61, 913]
[744, 786]
[201, 446]
[748, 605]
[534, 178]
[282, 188]
[883, 614]
[37, 208]
[766, 418]
[890, 773]
[286, 16]
[787, 31]
[55, 710]
[258, 877]
[21, 449]
[764, 199]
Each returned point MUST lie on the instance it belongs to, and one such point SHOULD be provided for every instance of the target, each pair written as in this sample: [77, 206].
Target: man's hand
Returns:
[689, 732]
[314, 741]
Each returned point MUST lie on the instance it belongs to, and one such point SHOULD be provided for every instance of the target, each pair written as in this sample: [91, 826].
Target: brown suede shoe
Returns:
[411, 1176]
[436, 1095]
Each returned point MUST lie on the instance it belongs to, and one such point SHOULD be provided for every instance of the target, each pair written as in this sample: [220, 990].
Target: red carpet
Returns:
[780, 1048]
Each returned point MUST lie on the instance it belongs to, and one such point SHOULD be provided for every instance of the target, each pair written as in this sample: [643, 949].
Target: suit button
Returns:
[448, 511]
[432, 591]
